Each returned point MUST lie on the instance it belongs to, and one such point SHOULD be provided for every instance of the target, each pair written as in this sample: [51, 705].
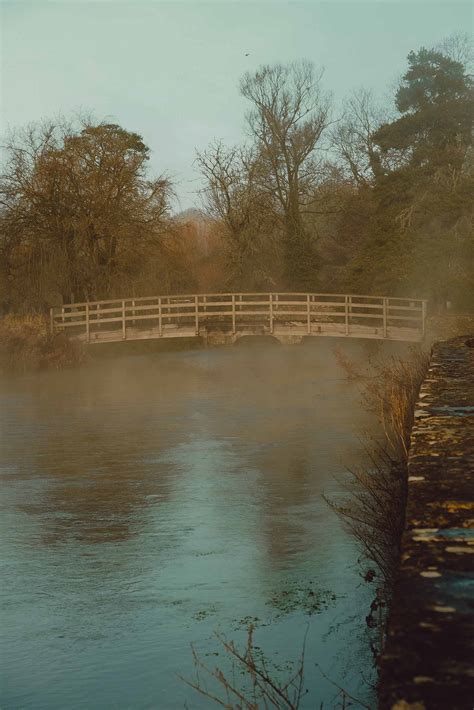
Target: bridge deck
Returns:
[280, 315]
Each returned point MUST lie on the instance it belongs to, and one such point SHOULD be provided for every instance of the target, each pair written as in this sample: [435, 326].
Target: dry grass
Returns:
[391, 392]
[389, 388]
[25, 344]
[377, 491]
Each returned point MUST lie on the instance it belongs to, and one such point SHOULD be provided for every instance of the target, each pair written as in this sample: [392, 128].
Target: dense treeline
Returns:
[374, 201]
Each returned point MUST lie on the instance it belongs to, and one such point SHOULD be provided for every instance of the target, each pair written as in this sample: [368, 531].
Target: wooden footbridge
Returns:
[225, 317]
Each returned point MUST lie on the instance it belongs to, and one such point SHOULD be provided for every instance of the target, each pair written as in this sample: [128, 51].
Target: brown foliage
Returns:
[25, 344]
[79, 213]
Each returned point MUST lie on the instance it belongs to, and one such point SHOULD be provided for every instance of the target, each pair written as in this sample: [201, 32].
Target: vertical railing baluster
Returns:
[51, 320]
[124, 327]
[88, 335]
[160, 323]
[233, 314]
[271, 313]
[346, 313]
[308, 304]
[423, 318]
[196, 307]
[384, 317]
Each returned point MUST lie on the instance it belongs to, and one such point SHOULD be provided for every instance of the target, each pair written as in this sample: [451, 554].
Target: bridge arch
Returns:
[242, 339]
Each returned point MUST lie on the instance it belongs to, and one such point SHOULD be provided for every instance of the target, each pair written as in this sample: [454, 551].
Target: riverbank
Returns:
[431, 625]
[26, 345]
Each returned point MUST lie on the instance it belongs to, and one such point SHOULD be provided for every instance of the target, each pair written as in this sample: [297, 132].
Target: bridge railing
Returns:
[309, 313]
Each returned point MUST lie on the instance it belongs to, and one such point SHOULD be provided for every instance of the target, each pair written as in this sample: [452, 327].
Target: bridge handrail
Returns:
[274, 306]
[239, 293]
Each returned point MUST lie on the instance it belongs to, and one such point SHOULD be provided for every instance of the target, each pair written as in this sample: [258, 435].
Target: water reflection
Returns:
[149, 499]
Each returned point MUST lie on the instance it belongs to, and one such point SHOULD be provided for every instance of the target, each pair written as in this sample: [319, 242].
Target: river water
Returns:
[152, 500]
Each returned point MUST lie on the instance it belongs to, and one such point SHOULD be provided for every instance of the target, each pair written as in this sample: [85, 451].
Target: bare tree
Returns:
[353, 137]
[234, 196]
[289, 114]
[459, 46]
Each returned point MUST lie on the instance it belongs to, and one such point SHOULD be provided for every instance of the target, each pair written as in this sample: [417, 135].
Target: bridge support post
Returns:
[88, 334]
[384, 317]
[196, 310]
[124, 325]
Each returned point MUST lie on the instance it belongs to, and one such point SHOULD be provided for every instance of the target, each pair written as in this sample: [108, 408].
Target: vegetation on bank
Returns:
[377, 492]
[26, 344]
[374, 200]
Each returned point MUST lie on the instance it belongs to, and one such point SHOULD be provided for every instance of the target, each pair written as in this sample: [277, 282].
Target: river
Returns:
[151, 500]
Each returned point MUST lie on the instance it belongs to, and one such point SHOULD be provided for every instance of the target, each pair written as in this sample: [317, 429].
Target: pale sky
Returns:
[170, 70]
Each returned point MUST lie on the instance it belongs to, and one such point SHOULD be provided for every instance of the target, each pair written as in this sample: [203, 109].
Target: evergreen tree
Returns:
[419, 240]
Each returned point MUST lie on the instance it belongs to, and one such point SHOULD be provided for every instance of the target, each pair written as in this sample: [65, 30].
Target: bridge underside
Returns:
[288, 334]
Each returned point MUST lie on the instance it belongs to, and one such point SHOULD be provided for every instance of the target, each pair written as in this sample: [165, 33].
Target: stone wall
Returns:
[429, 654]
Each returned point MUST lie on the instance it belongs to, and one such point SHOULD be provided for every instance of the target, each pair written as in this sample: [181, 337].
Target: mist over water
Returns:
[150, 500]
